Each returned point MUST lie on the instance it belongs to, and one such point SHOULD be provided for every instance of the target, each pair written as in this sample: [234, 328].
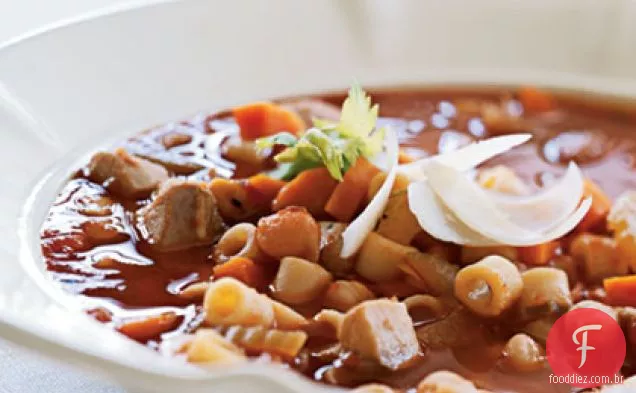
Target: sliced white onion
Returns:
[470, 203]
[467, 157]
[358, 230]
[568, 224]
[473, 206]
[437, 220]
[545, 209]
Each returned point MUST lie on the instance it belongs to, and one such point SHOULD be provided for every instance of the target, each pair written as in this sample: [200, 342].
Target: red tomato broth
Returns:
[137, 280]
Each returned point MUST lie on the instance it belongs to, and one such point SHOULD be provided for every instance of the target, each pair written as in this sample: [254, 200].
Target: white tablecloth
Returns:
[22, 372]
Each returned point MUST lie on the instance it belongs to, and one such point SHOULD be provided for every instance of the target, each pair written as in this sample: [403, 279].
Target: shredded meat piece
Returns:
[381, 330]
[125, 174]
[184, 214]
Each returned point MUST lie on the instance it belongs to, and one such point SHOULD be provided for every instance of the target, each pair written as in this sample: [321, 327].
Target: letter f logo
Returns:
[583, 344]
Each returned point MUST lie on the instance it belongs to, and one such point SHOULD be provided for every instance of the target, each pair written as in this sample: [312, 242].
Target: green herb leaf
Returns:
[282, 138]
[336, 146]
[358, 117]
[289, 170]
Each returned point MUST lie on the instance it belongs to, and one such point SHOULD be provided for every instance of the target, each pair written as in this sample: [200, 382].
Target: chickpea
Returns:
[289, 232]
[238, 241]
[237, 150]
[523, 354]
[545, 290]
[445, 382]
[490, 286]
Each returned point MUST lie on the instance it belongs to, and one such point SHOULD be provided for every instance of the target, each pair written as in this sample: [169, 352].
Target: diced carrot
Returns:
[404, 158]
[539, 254]
[261, 119]
[311, 189]
[351, 192]
[535, 100]
[145, 329]
[243, 269]
[262, 189]
[601, 205]
[621, 291]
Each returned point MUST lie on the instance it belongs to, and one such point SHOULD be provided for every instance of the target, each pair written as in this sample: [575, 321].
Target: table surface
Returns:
[22, 372]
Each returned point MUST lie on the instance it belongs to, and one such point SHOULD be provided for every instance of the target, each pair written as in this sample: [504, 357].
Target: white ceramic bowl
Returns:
[69, 89]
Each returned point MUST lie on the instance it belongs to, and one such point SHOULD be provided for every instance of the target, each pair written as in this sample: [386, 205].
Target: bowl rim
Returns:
[82, 17]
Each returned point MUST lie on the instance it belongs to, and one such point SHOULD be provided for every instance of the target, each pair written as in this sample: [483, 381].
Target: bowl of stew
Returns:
[376, 197]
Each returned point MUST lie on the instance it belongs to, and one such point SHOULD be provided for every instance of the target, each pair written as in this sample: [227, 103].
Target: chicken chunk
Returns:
[381, 330]
[125, 174]
[184, 214]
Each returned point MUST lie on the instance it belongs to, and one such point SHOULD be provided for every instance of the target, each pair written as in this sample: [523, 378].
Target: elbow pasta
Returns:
[262, 339]
[230, 302]
[490, 286]
[286, 318]
[195, 291]
[239, 241]
[342, 295]
[209, 347]
[545, 290]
